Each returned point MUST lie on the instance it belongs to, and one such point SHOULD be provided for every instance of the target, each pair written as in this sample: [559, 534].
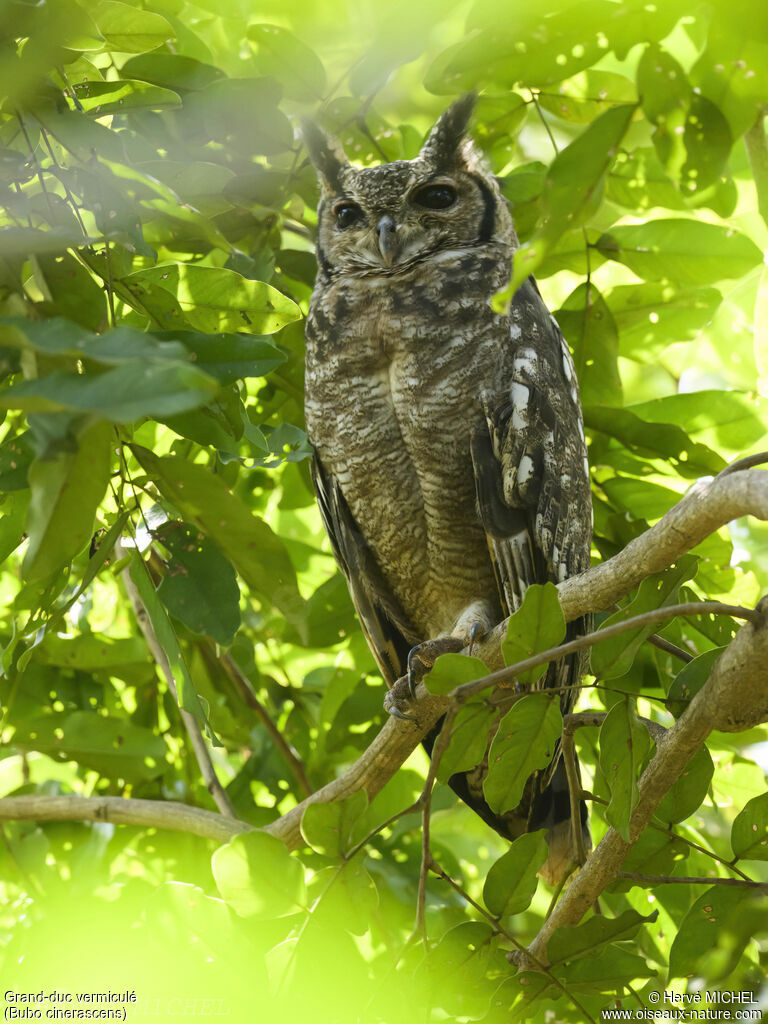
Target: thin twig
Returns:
[508, 674]
[439, 748]
[669, 648]
[245, 687]
[649, 880]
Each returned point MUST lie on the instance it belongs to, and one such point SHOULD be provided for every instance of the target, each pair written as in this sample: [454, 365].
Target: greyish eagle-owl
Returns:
[450, 463]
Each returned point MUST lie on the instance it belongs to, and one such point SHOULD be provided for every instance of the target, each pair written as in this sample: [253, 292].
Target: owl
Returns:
[450, 463]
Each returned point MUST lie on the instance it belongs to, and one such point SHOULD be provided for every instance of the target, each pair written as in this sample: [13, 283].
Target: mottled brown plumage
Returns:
[450, 459]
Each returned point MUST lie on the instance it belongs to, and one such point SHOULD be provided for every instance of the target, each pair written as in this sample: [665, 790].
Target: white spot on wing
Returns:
[524, 470]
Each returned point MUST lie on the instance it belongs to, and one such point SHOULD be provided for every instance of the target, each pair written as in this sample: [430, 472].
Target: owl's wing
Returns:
[531, 474]
[383, 621]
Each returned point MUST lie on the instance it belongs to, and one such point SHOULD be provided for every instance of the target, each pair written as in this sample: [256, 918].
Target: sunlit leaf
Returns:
[257, 876]
[215, 299]
[280, 54]
[624, 743]
[685, 253]
[330, 828]
[511, 882]
[130, 29]
[110, 745]
[65, 492]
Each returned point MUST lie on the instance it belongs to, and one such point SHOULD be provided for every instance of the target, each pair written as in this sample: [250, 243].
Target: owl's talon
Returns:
[475, 633]
[416, 670]
[395, 711]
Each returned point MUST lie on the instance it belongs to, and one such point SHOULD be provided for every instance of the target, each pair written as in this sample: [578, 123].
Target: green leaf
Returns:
[733, 420]
[130, 29]
[749, 832]
[331, 828]
[683, 253]
[73, 291]
[572, 943]
[469, 739]
[229, 357]
[654, 853]
[214, 299]
[639, 499]
[58, 336]
[13, 515]
[241, 113]
[511, 882]
[258, 877]
[732, 69]
[100, 98]
[527, 739]
[624, 744]
[648, 315]
[65, 493]
[121, 395]
[200, 588]
[109, 745]
[690, 680]
[166, 636]
[663, 88]
[452, 670]
[711, 917]
[689, 789]
[280, 55]
[170, 71]
[329, 614]
[16, 456]
[571, 192]
[537, 625]
[589, 327]
[203, 499]
[91, 652]
[612, 658]
[607, 970]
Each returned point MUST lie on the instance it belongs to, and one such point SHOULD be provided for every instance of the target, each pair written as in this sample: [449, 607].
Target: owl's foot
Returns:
[398, 700]
[422, 658]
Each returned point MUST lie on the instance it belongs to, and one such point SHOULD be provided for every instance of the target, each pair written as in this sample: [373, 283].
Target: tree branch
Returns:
[120, 810]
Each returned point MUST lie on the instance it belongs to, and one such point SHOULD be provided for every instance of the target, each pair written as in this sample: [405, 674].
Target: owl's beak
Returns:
[387, 239]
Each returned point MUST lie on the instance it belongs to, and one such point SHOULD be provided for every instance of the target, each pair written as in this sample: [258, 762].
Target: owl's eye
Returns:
[347, 214]
[436, 197]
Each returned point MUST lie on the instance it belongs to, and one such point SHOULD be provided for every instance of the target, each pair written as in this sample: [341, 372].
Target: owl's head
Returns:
[388, 219]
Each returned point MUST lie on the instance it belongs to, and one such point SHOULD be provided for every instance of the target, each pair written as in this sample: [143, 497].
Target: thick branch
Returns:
[734, 698]
[165, 814]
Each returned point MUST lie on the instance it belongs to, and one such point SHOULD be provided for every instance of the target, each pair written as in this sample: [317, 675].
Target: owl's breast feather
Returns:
[392, 399]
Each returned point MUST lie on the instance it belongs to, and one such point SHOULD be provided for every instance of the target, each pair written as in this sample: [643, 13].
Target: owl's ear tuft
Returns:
[443, 145]
[326, 154]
